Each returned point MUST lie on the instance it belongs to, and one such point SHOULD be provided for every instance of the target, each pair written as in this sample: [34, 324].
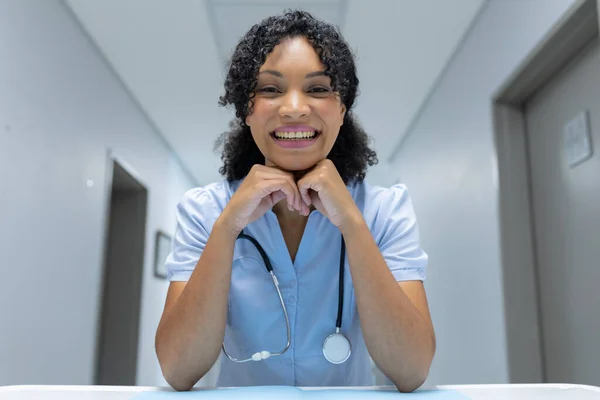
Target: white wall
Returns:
[60, 110]
[448, 162]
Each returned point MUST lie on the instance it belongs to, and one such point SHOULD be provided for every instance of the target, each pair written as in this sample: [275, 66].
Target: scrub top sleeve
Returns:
[400, 243]
[196, 215]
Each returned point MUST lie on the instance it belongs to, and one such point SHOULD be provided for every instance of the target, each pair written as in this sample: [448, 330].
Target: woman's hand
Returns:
[262, 188]
[324, 188]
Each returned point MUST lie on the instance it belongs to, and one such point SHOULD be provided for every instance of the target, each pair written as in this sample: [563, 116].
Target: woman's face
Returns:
[296, 116]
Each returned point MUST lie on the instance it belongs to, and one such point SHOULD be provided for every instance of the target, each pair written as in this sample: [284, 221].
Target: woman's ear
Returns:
[248, 119]
[343, 114]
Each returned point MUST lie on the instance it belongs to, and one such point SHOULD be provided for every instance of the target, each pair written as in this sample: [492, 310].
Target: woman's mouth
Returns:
[295, 139]
[291, 136]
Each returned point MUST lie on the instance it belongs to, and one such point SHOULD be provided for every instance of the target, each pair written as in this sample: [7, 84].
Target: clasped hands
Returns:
[321, 187]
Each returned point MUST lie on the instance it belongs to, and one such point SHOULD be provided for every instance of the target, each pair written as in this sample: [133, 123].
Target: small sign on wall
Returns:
[578, 142]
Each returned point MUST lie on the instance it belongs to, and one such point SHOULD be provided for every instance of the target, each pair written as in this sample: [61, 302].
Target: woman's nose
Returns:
[294, 106]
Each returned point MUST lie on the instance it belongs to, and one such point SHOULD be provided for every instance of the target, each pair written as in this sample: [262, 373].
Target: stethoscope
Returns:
[336, 347]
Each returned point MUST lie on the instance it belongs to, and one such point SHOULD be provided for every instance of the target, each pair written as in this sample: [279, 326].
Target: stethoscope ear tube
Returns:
[263, 355]
[263, 255]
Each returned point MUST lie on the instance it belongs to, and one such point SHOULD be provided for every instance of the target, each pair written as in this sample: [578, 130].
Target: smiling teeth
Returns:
[295, 135]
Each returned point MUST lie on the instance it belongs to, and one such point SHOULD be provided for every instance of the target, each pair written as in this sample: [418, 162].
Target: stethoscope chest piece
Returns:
[336, 348]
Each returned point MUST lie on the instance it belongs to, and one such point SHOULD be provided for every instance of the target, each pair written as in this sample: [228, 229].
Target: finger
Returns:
[306, 208]
[277, 196]
[314, 197]
[273, 173]
[298, 199]
[289, 178]
[293, 195]
[273, 185]
[304, 187]
[317, 203]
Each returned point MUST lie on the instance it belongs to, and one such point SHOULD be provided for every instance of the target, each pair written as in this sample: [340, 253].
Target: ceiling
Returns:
[171, 55]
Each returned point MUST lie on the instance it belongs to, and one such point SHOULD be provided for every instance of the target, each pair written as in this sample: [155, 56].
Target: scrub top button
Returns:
[292, 300]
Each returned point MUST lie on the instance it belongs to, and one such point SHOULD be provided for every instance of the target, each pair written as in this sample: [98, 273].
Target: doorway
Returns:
[117, 346]
[565, 199]
[550, 225]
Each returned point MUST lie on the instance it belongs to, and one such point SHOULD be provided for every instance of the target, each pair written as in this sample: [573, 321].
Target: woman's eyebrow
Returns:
[316, 73]
[271, 72]
[280, 75]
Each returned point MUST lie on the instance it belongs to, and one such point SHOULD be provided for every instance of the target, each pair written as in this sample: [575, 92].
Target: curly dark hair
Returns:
[350, 153]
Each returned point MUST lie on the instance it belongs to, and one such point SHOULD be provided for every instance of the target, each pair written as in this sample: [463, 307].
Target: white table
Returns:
[474, 392]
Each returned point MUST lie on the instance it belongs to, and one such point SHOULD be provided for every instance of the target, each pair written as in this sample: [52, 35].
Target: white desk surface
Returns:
[474, 392]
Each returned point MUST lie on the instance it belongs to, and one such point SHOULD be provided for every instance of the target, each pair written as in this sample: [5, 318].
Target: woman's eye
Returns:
[268, 89]
[320, 90]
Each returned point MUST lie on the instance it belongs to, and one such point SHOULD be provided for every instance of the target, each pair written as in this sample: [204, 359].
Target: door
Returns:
[566, 221]
[123, 272]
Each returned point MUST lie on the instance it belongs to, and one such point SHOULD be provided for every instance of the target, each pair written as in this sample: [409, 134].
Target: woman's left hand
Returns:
[324, 188]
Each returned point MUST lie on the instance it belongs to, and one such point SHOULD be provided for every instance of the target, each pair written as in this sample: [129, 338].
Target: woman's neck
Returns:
[287, 217]
[292, 225]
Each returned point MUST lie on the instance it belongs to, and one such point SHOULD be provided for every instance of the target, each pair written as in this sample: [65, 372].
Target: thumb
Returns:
[316, 201]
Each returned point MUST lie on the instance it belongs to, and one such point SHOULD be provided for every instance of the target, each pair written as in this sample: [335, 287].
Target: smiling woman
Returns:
[294, 312]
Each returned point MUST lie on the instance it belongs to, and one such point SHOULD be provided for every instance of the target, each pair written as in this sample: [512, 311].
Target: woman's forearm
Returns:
[399, 338]
[190, 334]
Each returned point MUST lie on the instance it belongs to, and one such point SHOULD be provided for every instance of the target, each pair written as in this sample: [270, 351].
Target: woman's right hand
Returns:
[262, 188]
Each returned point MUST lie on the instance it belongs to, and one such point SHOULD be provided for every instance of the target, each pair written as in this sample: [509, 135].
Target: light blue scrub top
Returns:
[309, 286]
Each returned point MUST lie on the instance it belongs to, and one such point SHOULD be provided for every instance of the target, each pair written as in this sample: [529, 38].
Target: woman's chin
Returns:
[295, 166]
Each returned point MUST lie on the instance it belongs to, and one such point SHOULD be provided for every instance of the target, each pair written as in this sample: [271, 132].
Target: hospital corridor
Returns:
[416, 184]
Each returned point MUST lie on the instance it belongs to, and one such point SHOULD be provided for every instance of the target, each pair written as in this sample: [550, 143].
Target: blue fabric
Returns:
[290, 393]
[309, 286]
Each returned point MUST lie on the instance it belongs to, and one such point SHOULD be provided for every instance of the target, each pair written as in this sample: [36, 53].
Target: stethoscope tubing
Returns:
[265, 354]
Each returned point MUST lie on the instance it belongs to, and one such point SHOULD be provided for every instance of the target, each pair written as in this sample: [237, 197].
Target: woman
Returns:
[345, 254]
